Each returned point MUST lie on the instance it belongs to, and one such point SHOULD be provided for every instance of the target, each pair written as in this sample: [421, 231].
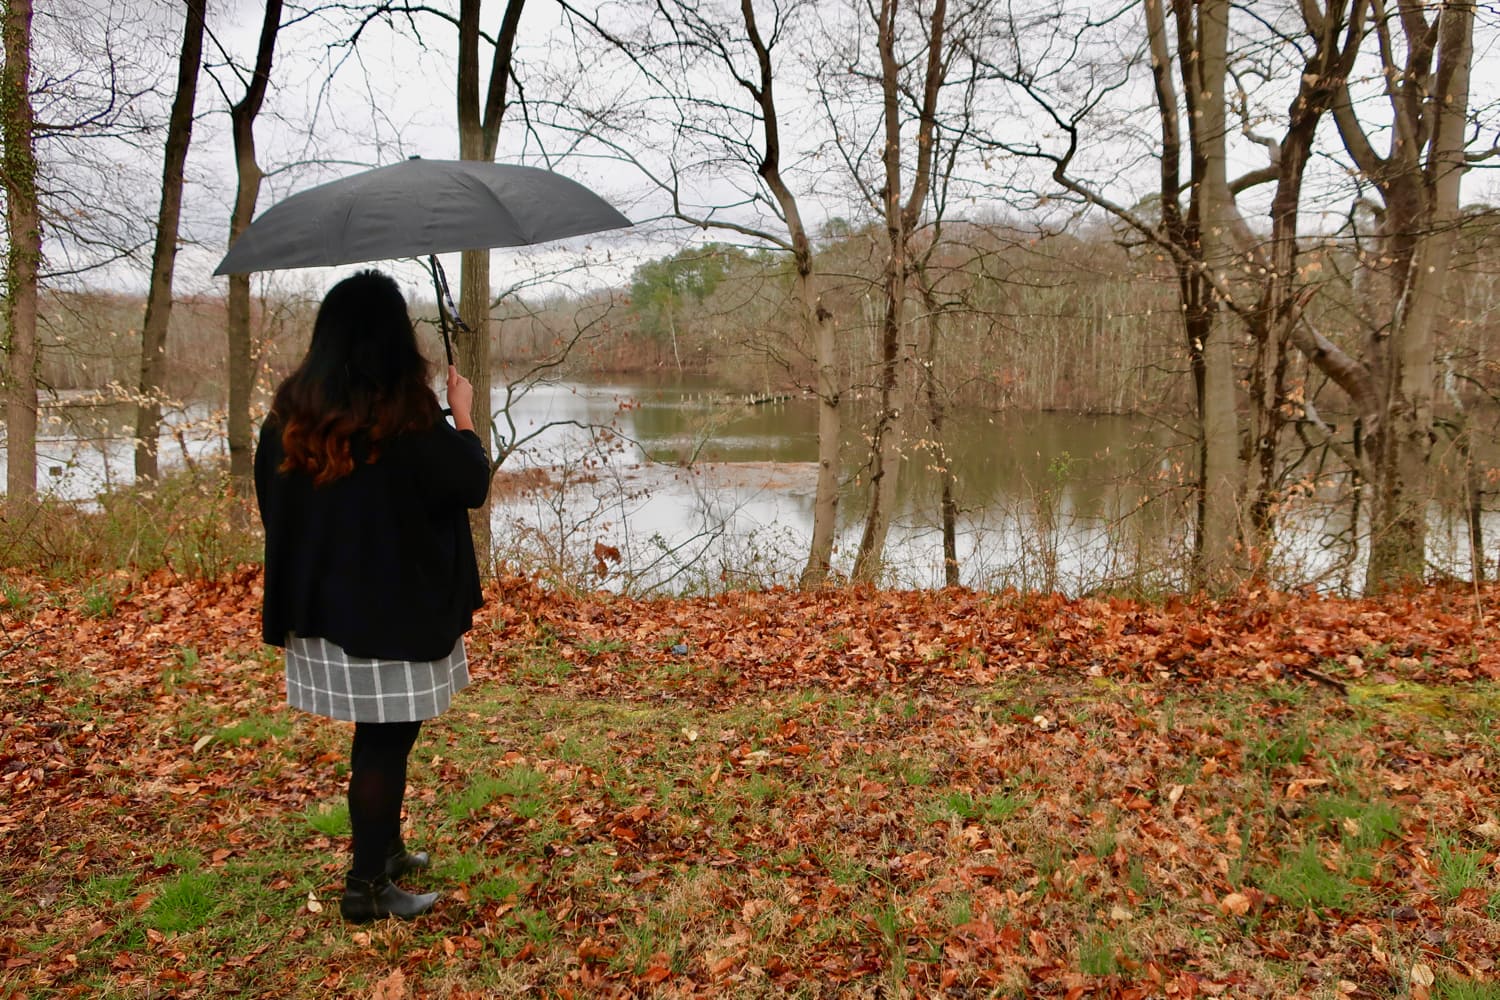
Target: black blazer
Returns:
[380, 561]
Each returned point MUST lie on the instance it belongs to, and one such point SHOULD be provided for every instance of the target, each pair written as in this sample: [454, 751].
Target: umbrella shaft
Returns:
[445, 305]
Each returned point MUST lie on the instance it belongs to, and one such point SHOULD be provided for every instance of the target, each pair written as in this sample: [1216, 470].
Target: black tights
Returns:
[377, 786]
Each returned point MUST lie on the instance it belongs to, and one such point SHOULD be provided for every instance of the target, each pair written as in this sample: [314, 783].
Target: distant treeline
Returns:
[1078, 321]
[1064, 321]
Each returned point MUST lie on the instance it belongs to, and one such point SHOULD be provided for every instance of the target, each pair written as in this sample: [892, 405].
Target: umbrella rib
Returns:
[510, 217]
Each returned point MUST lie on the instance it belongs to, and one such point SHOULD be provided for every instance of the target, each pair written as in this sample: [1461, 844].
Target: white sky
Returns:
[393, 97]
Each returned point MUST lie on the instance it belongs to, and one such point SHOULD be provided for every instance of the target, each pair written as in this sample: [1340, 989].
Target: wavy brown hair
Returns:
[364, 381]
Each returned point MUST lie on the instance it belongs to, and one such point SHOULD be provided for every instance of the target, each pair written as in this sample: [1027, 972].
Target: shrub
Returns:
[190, 523]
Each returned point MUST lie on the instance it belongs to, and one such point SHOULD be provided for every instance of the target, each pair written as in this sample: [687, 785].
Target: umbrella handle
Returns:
[445, 305]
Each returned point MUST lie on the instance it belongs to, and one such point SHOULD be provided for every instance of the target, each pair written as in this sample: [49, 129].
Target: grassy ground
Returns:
[615, 810]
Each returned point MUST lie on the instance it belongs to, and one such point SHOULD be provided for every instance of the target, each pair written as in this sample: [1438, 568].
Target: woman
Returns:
[370, 574]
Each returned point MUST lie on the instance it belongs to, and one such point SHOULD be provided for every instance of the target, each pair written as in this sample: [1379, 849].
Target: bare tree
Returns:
[716, 133]
[242, 116]
[1205, 70]
[898, 371]
[23, 254]
[478, 137]
[950, 144]
[1333, 36]
[1229, 279]
[164, 257]
[1417, 180]
[95, 80]
[70, 124]
[816, 322]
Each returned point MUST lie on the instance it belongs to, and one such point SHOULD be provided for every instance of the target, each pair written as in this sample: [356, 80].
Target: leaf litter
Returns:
[838, 793]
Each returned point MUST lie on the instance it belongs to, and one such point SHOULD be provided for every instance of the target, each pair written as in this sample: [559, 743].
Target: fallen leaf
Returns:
[1236, 903]
[392, 987]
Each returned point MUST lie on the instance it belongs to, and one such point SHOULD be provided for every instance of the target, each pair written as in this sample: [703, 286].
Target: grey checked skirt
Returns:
[323, 679]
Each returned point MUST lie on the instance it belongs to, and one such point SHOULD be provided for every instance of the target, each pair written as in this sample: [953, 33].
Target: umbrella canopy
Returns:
[418, 208]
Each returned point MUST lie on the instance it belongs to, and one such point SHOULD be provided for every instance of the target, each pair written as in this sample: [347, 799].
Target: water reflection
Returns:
[1049, 501]
[85, 444]
[653, 485]
[702, 488]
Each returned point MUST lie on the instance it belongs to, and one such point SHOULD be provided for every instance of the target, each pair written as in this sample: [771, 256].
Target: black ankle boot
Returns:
[400, 861]
[370, 899]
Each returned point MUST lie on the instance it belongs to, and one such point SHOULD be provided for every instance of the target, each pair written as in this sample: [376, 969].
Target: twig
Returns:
[1328, 679]
[20, 642]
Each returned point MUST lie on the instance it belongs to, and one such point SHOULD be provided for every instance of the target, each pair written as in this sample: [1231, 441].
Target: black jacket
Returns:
[380, 561]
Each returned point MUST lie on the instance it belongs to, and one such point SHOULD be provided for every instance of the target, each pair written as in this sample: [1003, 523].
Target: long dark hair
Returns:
[364, 380]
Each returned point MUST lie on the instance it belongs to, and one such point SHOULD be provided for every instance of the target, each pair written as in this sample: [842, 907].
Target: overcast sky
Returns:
[333, 110]
[330, 112]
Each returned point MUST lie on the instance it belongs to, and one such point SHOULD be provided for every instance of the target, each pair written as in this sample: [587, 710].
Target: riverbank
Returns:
[851, 793]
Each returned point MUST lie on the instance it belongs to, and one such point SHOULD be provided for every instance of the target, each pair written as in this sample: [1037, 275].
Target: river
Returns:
[680, 485]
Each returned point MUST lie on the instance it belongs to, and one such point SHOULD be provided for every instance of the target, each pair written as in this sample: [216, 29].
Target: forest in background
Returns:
[1250, 216]
[1077, 321]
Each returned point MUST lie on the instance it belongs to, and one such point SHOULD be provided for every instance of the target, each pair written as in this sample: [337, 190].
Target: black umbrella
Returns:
[419, 208]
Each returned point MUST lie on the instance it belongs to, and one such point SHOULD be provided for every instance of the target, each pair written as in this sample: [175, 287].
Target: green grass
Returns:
[588, 842]
[105, 890]
[1283, 749]
[524, 786]
[330, 818]
[99, 600]
[1465, 989]
[182, 669]
[1303, 879]
[597, 647]
[17, 601]
[540, 665]
[498, 888]
[996, 807]
[1099, 953]
[257, 729]
[1458, 868]
[190, 523]
[479, 793]
[1357, 822]
[184, 903]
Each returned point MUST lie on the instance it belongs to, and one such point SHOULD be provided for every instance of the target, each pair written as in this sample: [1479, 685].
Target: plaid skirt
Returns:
[323, 679]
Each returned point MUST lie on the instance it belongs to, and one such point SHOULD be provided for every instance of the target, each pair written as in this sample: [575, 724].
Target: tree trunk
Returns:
[164, 257]
[895, 394]
[1205, 248]
[821, 330]
[241, 378]
[898, 354]
[24, 255]
[1283, 293]
[1221, 439]
[1423, 207]
[241, 353]
[937, 414]
[817, 323]
[478, 137]
[471, 354]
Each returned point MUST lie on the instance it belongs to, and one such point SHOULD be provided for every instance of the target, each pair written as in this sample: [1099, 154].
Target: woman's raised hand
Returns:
[460, 400]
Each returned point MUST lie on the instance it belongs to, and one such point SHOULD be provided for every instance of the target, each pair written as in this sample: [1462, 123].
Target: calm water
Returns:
[679, 486]
[701, 489]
